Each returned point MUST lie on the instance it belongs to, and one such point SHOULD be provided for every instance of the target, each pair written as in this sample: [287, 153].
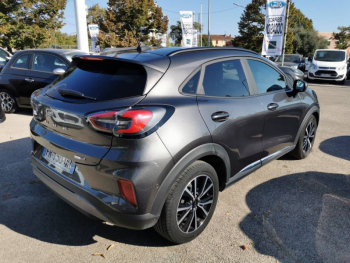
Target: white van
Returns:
[328, 64]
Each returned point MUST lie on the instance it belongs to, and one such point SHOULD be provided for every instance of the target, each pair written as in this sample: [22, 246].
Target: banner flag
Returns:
[94, 31]
[187, 28]
[274, 27]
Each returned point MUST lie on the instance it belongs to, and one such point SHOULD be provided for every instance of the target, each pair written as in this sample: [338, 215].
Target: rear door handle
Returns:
[29, 80]
[220, 116]
[272, 106]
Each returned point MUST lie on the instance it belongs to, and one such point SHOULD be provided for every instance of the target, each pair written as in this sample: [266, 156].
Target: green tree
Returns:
[205, 41]
[28, 23]
[251, 27]
[305, 42]
[96, 15]
[176, 32]
[144, 16]
[343, 37]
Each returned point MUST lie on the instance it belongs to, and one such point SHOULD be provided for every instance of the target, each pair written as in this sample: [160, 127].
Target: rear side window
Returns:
[191, 85]
[225, 79]
[22, 62]
[103, 80]
[266, 78]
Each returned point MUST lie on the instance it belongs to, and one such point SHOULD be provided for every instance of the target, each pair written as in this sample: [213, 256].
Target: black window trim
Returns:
[256, 92]
[44, 53]
[200, 89]
[20, 55]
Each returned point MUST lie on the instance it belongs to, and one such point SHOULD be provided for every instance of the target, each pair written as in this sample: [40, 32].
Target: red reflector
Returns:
[140, 118]
[91, 58]
[127, 189]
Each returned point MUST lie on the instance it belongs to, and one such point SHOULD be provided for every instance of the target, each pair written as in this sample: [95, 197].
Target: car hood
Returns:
[332, 64]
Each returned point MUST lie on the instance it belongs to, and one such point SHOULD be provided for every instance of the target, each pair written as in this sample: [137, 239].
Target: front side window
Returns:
[225, 79]
[191, 85]
[22, 62]
[47, 63]
[266, 78]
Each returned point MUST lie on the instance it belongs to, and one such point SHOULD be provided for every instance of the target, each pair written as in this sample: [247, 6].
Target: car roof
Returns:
[55, 51]
[172, 51]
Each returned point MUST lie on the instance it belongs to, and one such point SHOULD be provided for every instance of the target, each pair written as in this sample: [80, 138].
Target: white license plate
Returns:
[59, 161]
[325, 75]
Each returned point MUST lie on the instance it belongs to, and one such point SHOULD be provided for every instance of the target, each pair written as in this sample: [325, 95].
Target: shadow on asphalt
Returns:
[337, 146]
[303, 217]
[28, 207]
[24, 111]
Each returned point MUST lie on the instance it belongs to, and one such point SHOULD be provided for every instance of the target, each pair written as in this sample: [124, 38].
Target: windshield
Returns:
[335, 56]
[288, 58]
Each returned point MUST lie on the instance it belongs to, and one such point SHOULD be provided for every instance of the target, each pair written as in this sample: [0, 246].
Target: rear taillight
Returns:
[131, 122]
[127, 190]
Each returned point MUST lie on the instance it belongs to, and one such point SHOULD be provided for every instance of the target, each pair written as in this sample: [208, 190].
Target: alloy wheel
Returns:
[7, 102]
[195, 203]
[309, 137]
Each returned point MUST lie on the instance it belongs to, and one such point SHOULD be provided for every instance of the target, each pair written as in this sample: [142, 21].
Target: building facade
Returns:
[221, 40]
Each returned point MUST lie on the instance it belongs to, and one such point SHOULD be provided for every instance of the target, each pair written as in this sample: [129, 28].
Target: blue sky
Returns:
[327, 15]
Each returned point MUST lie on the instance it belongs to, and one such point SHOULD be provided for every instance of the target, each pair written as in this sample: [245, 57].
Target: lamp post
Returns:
[80, 20]
[208, 23]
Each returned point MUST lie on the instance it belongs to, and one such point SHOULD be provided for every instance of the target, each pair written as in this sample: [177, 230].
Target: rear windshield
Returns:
[102, 80]
[335, 56]
[288, 58]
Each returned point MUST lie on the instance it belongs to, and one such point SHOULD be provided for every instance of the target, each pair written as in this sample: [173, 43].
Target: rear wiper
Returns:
[73, 93]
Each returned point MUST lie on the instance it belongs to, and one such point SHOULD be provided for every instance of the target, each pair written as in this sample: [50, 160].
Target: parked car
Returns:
[150, 138]
[29, 70]
[293, 73]
[291, 60]
[328, 64]
[2, 113]
[306, 63]
[4, 53]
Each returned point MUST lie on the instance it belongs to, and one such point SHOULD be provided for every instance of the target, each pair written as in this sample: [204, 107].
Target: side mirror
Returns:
[58, 71]
[300, 86]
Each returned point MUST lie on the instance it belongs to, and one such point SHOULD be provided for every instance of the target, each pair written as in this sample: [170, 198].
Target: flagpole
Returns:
[285, 33]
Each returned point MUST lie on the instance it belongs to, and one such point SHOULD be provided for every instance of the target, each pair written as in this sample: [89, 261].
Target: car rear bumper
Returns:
[87, 202]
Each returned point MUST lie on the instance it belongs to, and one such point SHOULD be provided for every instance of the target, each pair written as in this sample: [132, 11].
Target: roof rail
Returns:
[201, 49]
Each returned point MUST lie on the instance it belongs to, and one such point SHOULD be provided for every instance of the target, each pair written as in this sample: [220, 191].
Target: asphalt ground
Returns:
[287, 211]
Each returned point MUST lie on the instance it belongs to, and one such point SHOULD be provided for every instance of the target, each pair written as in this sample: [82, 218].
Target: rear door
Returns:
[234, 117]
[40, 74]
[282, 107]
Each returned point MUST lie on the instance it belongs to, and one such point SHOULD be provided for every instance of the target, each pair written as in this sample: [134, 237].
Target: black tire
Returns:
[167, 225]
[8, 101]
[342, 82]
[300, 152]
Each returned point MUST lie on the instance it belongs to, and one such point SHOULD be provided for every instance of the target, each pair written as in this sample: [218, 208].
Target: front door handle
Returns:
[29, 80]
[220, 116]
[272, 106]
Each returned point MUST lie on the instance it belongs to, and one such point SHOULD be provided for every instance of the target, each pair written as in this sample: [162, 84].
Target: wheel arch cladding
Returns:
[211, 153]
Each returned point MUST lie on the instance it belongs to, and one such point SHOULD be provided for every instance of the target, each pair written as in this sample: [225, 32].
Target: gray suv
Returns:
[149, 139]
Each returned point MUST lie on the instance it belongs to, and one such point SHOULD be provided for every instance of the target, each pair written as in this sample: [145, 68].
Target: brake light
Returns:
[91, 58]
[127, 190]
[135, 123]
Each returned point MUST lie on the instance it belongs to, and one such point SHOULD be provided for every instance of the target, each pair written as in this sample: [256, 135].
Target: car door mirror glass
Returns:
[300, 86]
[58, 71]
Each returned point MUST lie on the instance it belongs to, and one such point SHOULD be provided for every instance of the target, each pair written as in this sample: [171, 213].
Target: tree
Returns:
[205, 41]
[251, 27]
[96, 15]
[143, 16]
[305, 42]
[27, 23]
[343, 37]
[176, 32]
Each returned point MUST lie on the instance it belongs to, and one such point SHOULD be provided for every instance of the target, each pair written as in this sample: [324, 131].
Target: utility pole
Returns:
[80, 20]
[208, 23]
[285, 33]
[201, 22]
[200, 28]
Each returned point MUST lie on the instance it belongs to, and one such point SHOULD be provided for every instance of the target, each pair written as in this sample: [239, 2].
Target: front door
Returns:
[282, 107]
[234, 117]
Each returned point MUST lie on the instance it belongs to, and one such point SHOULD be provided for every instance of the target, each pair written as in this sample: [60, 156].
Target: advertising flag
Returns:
[274, 27]
[187, 28]
[94, 31]
[195, 38]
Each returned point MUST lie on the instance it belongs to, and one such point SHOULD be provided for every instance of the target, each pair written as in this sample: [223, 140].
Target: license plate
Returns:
[59, 161]
[325, 75]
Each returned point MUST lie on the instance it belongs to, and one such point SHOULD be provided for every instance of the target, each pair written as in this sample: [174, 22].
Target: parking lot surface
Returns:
[287, 211]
